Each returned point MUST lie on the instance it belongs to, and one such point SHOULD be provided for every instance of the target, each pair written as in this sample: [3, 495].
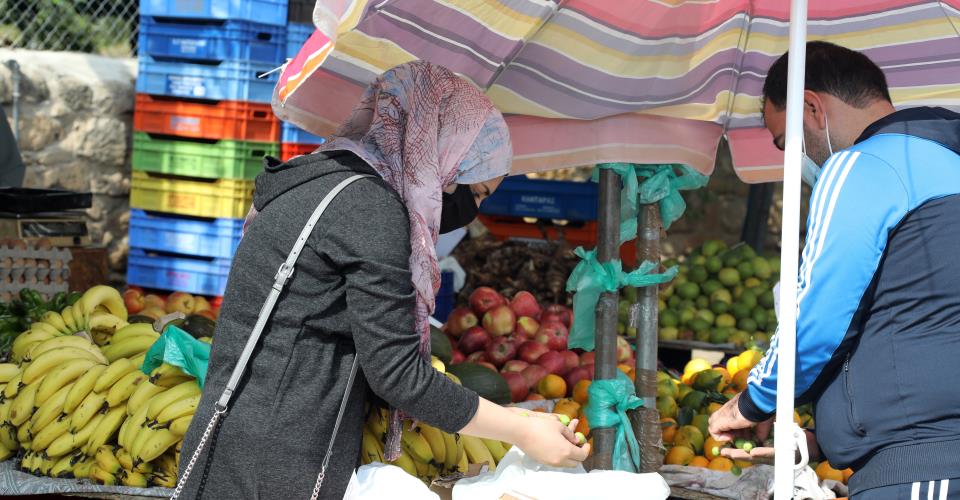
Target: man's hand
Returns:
[727, 424]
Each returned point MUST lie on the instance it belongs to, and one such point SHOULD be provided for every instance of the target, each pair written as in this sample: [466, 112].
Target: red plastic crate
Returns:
[202, 119]
[579, 234]
[289, 150]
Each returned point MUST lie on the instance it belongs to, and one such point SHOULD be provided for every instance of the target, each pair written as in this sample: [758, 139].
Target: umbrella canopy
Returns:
[592, 81]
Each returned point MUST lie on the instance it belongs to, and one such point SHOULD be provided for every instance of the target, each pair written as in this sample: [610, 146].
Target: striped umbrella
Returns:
[591, 81]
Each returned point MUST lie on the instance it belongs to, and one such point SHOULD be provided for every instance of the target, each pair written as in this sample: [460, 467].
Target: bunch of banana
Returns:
[130, 341]
[157, 420]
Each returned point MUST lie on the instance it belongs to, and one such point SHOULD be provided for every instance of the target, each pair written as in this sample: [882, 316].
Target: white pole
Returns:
[784, 441]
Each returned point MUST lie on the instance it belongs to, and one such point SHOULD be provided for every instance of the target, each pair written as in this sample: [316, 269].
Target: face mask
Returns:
[459, 209]
[809, 170]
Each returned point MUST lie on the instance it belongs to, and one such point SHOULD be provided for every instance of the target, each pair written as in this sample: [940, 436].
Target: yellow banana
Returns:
[423, 471]
[114, 372]
[106, 296]
[180, 425]
[68, 319]
[65, 341]
[13, 387]
[106, 460]
[121, 391]
[106, 428]
[104, 324]
[53, 358]
[54, 319]
[166, 464]
[91, 406]
[101, 476]
[25, 340]
[496, 449]
[453, 451]
[45, 327]
[64, 467]
[61, 377]
[183, 407]
[167, 375]
[26, 462]
[168, 397]
[453, 378]
[142, 395]
[8, 371]
[405, 462]
[134, 479]
[5, 453]
[22, 408]
[82, 469]
[163, 480]
[138, 360]
[46, 464]
[418, 447]
[82, 387]
[71, 441]
[477, 452]
[128, 348]
[5, 404]
[436, 441]
[123, 456]
[49, 410]
[160, 440]
[133, 330]
[8, 437]
[371, 449]
[143, 433]
[377, 423]
[51, 431]
[131, 426]
[24, 436]
[437, 364]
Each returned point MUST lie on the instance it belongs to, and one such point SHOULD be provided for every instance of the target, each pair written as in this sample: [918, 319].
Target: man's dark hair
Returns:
[843, 73]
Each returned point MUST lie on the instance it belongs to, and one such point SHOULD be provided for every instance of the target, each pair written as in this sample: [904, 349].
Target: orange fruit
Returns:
[846, 475]
[724, 377]
[826, 471]
[580, 391]
[690, 436]
[699, 461]
[712, 407]
[583, 427]
[710, 444]
[668, 428]
[567, 407]
[632, 374]
[723, 464]
[679, 455]
[740, 380]
[552, 387]
[535, 397]
[743, 464]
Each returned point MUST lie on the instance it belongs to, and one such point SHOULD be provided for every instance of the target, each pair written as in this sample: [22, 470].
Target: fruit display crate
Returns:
[205, 119]
[220, 198]
[297, 34]
[289, 150]
[273, 12]
[199, 236]
[542, 199]
[211, 40]
[227, 80]
[205, 158]
[295, 135]
[181, 273]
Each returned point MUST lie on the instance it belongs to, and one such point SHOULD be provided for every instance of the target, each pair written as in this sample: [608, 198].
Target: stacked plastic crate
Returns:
[293, 140]
[202, 125]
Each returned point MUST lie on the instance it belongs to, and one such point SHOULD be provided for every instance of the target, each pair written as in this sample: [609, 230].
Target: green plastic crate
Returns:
[223, 159]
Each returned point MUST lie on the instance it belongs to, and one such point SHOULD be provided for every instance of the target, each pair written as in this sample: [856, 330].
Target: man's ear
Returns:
[813, 115]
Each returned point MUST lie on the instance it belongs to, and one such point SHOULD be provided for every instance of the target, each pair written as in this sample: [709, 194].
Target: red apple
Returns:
[457, 357]
[525, 304]
[133, 300]
[554, 336]
[151, 300]
[571, 359]
[624, 351]
[588, 358]
[529, 351]
[180, 302]
[519, 388]
[487, 364]
[473, 340]
[499, 321]
[485, 298]
[461, 319]
[478, 357]
[534, 374]
[501, 350]
[527, 327]
[589, 368]
[554, 363]
[577, 374]
[564, 313]
[514, 365]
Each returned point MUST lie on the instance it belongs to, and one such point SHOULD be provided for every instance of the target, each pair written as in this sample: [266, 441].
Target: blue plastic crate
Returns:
[446, 298]
[260, 11]
[295, 135]
[297, 34]
[523, 197]
[185, 235]
[196, 275]
[211, 40]
[228, 80]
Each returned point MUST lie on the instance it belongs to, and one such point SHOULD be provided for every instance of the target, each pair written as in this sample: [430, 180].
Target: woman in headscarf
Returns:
[364, 287]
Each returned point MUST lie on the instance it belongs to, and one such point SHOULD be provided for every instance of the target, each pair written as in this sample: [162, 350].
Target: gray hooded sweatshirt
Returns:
[350, 296]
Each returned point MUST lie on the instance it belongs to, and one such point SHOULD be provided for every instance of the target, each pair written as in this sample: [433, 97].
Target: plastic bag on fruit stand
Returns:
[522, 477]
[377, 481]
[179, 348]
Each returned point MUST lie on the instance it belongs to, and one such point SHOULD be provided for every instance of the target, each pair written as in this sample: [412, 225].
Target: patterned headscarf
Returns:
[422, 128]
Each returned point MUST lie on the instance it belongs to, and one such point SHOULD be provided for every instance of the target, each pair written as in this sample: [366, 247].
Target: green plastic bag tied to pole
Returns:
[178, 348]
[591, 278]
[662, 184]
[607, 408]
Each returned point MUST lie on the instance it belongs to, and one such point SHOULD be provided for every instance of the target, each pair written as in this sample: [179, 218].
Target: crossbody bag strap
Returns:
[279, 282]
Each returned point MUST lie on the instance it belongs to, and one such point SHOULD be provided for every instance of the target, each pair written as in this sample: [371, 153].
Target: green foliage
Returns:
[102, 26]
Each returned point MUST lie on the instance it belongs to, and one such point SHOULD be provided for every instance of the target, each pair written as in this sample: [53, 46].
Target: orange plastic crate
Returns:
[289, 150]
[575, 234]
[203, 119]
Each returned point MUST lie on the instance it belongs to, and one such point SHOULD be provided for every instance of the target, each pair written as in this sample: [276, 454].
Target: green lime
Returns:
[674, 302]
[669, 318]
[740, 311]
[751, 282]
[714, 264]
[689, 290]
[760, 316]
[713, 247]
[707, 316]
[670, 263]
[739, 338]
[711, 286]
[702, 302]
[732, 260]
[687, 315]
[766, 299]
[668, 333]
[747, 324]
[761, 268]
[719, 306]
[745, 269]
[661, 305]
[720, 335]
[774, 264]
[749, 298]
[698, 274]
[699, 325]
[726, 321]
[703, 336]
[722, 295]
[729, 276]
[699, 260]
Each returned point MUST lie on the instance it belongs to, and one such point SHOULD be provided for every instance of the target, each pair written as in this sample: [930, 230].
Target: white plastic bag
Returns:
[459, 275]
[378, 481]
[522, 477]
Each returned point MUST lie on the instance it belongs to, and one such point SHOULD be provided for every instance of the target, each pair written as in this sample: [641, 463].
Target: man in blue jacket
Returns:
[878, 322]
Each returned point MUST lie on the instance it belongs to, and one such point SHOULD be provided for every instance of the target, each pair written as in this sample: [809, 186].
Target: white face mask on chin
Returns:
[809, 170]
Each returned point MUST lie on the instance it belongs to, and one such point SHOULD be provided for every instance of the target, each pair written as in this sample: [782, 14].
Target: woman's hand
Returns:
[550, 442]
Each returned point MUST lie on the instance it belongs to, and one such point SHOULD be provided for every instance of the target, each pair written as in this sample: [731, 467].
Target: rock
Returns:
[102, 139]
[39, 131]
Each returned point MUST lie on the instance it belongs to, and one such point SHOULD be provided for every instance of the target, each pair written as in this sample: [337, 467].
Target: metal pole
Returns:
[646, 419]
[608, 248]
[784, 440]
[15, 115]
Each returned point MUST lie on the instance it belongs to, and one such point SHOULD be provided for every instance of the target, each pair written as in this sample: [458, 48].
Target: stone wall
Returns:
[75, 130]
